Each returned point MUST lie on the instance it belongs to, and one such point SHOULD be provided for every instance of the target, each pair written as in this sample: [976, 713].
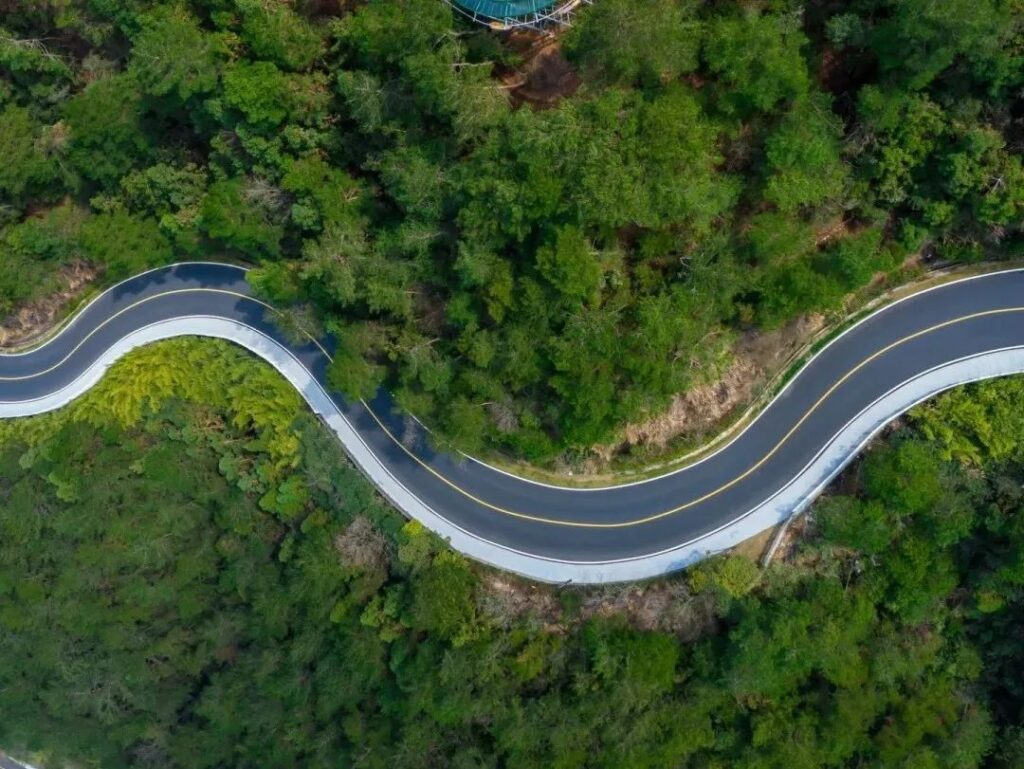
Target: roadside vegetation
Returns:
[191, 575]
[526, 280]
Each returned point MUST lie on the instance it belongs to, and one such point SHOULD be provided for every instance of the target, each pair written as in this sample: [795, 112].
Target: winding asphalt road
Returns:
[556, 533]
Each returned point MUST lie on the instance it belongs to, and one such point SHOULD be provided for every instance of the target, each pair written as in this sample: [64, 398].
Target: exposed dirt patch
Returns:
[544, 77]
[799, 530]
[835, 229]
[549, 79]
[698, 413]
[33, 320]
[756, 547]
[699, 410]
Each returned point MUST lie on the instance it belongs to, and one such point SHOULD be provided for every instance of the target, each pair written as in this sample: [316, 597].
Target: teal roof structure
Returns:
[502, 10]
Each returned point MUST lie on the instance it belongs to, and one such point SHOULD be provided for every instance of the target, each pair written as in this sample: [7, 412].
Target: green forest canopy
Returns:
[234, 594]
[524, 279]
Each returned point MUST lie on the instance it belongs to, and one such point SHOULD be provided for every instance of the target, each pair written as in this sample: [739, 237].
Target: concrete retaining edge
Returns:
[792, 499]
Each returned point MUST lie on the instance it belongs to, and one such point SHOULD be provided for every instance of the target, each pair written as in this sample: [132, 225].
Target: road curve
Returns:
[963, 331]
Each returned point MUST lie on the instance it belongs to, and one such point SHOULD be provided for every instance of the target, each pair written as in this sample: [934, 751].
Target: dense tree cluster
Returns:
[526, 279]
[234, 594]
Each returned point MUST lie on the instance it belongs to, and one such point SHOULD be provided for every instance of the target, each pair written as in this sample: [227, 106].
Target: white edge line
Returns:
[71, 321]
[789, 383]
[789, 500]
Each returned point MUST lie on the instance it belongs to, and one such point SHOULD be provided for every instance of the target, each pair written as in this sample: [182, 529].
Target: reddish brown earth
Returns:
[34, 319]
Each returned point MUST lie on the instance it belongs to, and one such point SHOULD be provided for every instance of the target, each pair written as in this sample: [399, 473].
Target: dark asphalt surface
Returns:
[145, 300]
